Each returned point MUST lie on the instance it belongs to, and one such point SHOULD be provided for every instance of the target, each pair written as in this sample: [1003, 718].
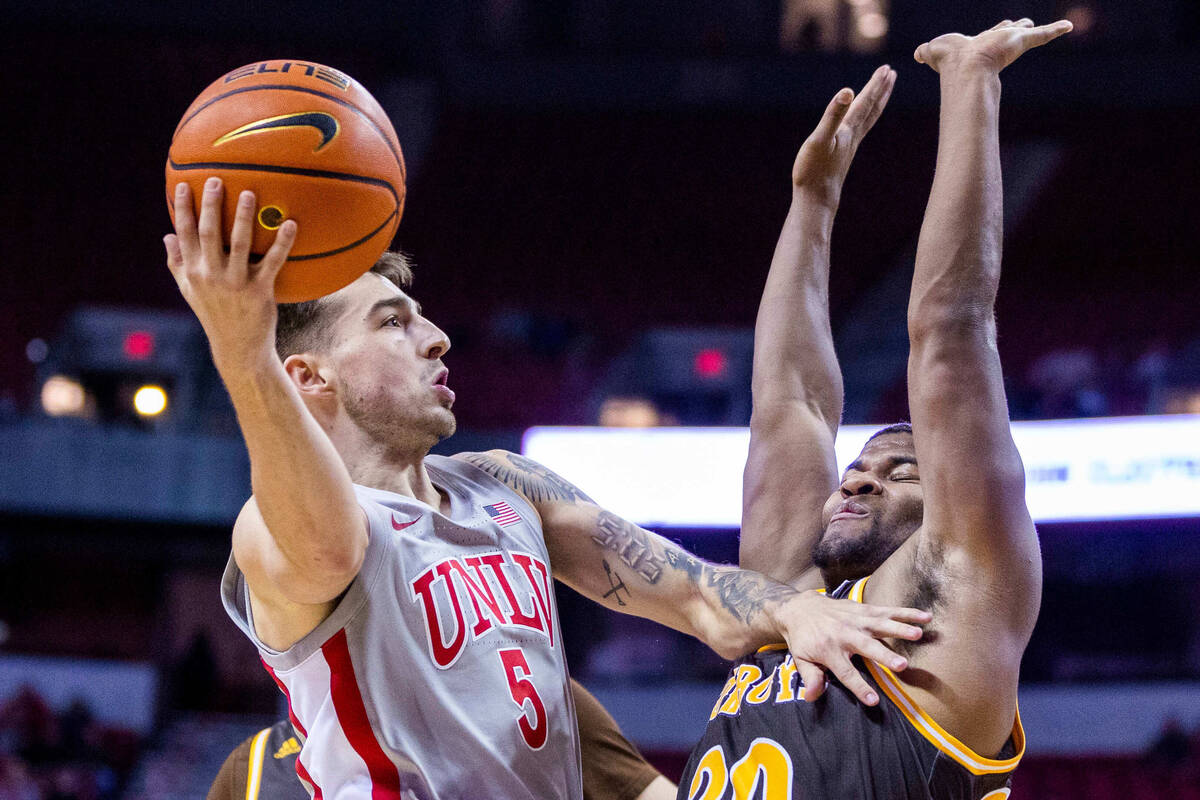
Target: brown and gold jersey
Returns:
[764, 742]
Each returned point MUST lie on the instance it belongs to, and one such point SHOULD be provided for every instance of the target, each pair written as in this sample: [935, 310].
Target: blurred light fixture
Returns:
[872, 25]
[710, 363]
[37, 350]
[150, 400]
[138, 345]
[63, 397]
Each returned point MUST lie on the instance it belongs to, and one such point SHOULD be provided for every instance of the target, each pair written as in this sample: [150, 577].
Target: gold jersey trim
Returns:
[254, 775]
[927, 727]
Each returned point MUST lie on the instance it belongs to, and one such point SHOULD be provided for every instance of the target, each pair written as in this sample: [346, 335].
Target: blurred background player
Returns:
[264, 765]
[360, 561]
[931, 514]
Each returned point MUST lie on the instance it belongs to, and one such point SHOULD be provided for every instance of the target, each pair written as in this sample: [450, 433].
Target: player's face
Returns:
[876, 508]
[387, 365]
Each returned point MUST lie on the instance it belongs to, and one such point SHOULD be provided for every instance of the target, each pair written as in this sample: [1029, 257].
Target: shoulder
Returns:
[486, 460]
[536, 483]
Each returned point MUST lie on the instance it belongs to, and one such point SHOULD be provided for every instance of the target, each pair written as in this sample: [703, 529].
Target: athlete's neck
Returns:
[410, 479]
[394, 466]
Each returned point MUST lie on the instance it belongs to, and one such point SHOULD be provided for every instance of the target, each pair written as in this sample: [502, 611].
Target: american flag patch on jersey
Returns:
[502, 513]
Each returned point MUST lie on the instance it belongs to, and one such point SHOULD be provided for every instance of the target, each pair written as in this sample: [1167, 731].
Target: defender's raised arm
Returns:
[976, 559]
[797, 385]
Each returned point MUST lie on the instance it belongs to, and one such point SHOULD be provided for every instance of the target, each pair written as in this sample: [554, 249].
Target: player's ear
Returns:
[304, 370]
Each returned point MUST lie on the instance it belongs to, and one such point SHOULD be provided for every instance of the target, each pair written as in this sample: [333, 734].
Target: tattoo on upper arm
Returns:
[743, 594]
[537, 483]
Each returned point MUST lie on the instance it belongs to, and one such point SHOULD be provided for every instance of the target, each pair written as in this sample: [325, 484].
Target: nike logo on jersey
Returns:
[398, 525]
[324, 123]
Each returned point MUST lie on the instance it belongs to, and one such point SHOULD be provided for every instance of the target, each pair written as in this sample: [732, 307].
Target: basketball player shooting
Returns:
[402, 601]
[931, 514]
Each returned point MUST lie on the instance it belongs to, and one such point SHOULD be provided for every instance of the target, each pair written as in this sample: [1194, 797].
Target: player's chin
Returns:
[445, 424]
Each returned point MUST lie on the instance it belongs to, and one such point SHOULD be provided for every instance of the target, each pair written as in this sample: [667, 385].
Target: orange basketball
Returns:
[314, 146]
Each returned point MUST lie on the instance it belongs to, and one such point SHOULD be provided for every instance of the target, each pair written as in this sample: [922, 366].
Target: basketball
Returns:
[314, 146]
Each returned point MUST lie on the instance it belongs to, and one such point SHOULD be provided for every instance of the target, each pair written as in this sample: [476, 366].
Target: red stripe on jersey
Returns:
[352, 716]
[301, 772]
[291, 714]
[304, 776]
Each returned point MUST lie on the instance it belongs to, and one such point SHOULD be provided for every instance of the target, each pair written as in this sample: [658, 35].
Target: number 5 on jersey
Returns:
[516, 671]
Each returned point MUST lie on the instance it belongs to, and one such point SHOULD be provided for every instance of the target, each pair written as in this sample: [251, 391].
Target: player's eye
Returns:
[904, 476]
[393, 321]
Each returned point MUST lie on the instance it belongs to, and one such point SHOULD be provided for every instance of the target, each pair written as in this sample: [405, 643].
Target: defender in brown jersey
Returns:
[930, 514]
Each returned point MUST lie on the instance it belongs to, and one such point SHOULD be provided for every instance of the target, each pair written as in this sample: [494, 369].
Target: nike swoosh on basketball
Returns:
[398, 525]
[325, 123]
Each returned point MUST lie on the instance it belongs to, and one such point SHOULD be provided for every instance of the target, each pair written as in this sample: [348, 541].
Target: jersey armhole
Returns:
[927, 727]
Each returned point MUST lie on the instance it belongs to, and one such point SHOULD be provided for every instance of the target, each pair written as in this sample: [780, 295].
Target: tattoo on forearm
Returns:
[631, 544]
[686, 562]
[528, 477]
[743, 594]
[617, 585]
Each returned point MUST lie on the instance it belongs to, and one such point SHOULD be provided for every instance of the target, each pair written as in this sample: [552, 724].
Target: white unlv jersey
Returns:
[440, 674]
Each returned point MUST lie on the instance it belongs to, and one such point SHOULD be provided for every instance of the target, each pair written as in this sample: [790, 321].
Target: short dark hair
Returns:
[303, 327]
[899, 427]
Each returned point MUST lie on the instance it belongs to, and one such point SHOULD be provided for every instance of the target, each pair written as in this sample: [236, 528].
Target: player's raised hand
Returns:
[992, 50]
[233, 299]
[824, 158]
[823, 631]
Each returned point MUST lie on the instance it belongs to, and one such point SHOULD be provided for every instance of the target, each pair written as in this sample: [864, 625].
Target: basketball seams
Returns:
[285, 87]
[282, 170]
[344, 248]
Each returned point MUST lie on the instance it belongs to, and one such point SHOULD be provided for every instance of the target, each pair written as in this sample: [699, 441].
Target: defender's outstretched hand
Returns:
[992, 50]
[824, 158]
[823, 631]
[234, 299]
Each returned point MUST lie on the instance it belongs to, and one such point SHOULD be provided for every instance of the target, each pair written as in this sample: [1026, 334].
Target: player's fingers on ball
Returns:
[277, 255]
[209, 226]
[243, 229]
[174, 255]
[185, 220]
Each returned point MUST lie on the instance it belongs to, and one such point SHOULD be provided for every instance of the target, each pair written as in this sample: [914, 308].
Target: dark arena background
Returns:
[595, 189]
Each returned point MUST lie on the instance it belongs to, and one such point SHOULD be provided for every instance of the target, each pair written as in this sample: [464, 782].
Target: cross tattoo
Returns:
[617, 584]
